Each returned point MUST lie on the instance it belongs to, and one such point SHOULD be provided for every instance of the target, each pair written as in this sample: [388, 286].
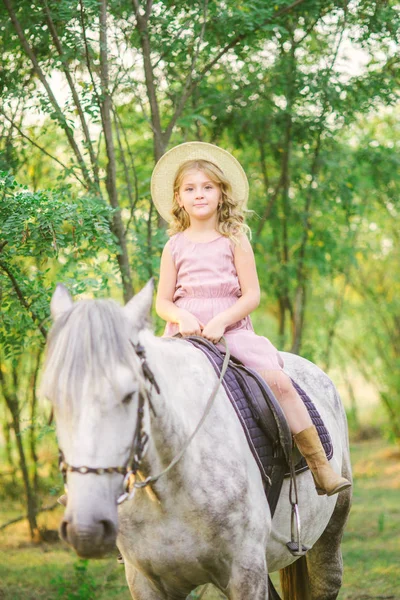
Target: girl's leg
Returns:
[305, 434]
[292, 405]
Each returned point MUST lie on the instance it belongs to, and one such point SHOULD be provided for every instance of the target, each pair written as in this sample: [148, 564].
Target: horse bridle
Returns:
[140, 437]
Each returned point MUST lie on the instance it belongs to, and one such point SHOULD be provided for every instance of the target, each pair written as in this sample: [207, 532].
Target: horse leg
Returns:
[324, 560]
[140, 587]
[248, 580]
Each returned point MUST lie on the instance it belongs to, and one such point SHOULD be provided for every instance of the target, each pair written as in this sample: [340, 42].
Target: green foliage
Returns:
[279, 87]
[43, 224]
[84, 585]
[44, 236]
[81, 587]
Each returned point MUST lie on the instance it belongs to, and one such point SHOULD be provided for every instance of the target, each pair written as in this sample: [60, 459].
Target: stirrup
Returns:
[295, 547]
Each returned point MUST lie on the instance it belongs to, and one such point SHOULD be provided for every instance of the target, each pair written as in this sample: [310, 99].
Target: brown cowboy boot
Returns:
[326, 480]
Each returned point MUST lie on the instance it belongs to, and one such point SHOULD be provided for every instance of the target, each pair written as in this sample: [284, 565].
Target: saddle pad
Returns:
[264, 443]
[319, 425]
[261, 417]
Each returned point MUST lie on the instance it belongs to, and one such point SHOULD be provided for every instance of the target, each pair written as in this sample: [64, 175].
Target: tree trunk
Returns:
[298, 318]
[32, 432]
[29, 494]
[9, 450]
[11, 399]
[282, 319]
[270, 200]
[285, 183]
[159, 142]
[13, 406]
[29, 51]
[111, 178]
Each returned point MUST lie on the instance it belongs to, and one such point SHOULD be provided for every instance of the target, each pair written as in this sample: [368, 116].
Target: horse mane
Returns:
[89, 340]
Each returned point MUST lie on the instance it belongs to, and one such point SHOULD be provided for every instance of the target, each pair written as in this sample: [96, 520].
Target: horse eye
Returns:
[128, 398]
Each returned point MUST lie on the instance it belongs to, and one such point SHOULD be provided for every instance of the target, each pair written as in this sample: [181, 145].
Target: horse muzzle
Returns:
[92, 540]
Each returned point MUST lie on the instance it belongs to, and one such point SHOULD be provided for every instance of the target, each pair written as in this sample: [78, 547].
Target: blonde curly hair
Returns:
[231, 217]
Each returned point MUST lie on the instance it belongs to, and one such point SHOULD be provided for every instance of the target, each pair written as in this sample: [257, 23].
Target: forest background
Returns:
[304, 93]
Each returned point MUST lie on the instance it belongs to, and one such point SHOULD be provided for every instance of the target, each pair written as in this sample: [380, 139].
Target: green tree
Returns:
[42, 236]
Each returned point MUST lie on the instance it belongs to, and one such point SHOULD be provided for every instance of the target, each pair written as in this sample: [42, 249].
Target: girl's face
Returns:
[199, 196]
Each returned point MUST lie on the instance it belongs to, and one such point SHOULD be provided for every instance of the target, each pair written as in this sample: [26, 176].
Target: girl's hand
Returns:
[189, 324]
[214, 330]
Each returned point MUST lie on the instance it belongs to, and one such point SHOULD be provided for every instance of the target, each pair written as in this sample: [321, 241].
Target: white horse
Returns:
[206, 520]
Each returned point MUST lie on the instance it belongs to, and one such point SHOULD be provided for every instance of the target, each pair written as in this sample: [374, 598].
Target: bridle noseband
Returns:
[140, 437]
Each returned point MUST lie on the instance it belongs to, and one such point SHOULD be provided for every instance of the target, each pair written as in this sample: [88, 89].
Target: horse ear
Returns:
[60, 302]
[138, 308]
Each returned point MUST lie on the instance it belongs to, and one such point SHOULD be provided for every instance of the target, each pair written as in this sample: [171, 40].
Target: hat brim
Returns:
[164, 174]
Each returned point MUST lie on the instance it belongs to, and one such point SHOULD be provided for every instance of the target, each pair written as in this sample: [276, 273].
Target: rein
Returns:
[141, 438]
[153, 478]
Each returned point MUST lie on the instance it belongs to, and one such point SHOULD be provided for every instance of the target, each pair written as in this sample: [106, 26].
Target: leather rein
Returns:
[140, 438]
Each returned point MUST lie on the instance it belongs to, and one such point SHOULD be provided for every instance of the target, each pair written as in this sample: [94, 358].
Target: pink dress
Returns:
[207, 284]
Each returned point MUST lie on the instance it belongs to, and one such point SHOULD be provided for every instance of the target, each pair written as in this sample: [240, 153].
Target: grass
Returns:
[371, 545]
[52, 572]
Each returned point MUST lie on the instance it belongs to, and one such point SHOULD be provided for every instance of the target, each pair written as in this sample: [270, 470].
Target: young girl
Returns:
[208, 281]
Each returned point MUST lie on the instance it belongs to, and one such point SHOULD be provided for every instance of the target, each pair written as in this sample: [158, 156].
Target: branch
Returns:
[193, 83]
[336, 52]
[118, 125]
[367, 292]
[149, 6]
[139, 98]
[307, 216]
[22, 300]
[10, 129]
[242, 36]
[23, 517]
[188, 89]
[269, 207]
[85, 41]
[111, 178]
[176, 37]
[313, 24]
[75, 95]
[116, 77]
[149, 241]
[141, 23]
[60, 117]
[270, 204]
[314, 166]
[132, 200]
[136, 6]
[332, 327]
[22, 134]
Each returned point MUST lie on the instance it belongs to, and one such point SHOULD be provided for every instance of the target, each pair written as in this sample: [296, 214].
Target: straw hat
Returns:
[162, 180]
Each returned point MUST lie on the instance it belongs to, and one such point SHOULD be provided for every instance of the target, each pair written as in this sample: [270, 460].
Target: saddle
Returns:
[267, 433]
[263, 420]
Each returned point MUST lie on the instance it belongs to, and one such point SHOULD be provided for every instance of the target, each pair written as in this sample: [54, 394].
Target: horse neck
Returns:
[175, 412]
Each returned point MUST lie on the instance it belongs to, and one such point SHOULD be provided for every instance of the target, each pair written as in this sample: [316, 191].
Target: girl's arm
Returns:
[248, 279]
[165, 307]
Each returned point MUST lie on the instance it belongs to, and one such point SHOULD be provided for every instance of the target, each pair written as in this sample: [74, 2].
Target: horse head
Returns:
[93, 377]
